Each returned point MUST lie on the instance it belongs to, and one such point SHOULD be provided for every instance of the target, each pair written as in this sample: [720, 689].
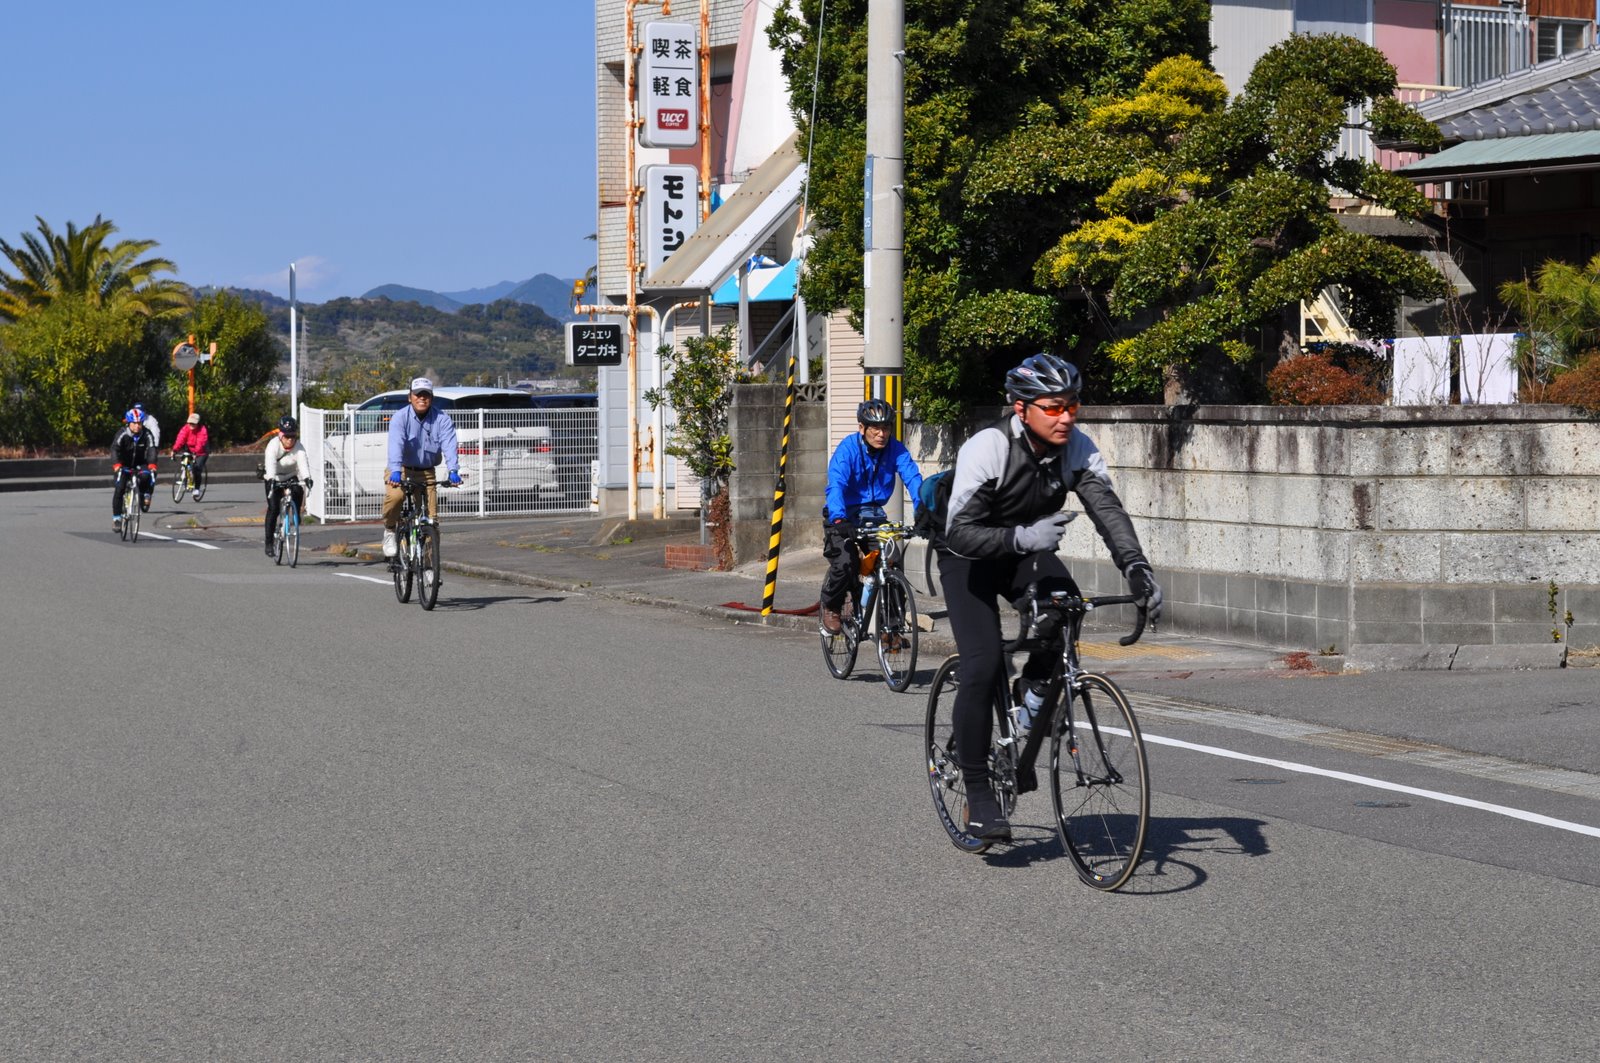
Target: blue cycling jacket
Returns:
[861, 480]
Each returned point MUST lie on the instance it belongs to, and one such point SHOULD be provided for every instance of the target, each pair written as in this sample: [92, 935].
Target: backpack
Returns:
[933, 502]
[933, 497]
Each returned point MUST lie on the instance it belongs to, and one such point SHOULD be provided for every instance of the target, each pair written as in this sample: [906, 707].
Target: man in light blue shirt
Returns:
[420, 437]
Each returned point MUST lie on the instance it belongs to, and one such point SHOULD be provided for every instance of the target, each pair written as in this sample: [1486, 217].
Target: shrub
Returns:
[1578, 386]
[1333, 376]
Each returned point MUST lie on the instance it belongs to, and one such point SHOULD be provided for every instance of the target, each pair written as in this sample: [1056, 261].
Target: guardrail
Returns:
[54, 474]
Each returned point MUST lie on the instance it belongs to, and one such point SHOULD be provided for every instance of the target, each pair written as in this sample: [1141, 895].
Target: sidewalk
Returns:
[611, 558]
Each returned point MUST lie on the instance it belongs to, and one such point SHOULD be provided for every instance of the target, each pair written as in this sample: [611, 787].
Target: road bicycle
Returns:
[1099, 779]
[417, 558]
[286, 530]
[130, 508]
[186, 479]
[886, 610]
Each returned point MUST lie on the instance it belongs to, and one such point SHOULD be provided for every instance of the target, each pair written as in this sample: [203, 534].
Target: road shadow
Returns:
[1176, 849]
[464, 605]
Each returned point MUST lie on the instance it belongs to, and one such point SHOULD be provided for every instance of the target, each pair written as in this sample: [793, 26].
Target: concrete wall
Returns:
[756, 424]
[1309, 528]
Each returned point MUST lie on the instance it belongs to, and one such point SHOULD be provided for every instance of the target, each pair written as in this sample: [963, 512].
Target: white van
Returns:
[503, 450]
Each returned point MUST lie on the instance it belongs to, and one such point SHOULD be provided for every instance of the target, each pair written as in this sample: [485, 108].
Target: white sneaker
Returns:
[390, 547]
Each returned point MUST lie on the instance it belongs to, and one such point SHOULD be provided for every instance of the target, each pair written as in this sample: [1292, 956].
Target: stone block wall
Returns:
[1313, 528]
[755, 423]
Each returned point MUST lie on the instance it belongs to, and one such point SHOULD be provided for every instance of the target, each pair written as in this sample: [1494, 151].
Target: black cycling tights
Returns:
[972, 590]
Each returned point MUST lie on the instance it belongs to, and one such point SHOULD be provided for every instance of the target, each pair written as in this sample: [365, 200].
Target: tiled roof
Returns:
[1560, 96]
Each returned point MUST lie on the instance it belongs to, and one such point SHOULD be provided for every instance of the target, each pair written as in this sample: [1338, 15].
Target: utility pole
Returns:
[883, 272]
[294, 354]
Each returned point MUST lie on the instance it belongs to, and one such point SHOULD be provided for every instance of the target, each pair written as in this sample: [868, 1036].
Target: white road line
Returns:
[185, 542]
[1379, 784]
[369, 579]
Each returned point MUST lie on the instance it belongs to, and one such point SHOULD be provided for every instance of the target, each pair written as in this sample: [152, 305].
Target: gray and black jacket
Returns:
[1000, 484]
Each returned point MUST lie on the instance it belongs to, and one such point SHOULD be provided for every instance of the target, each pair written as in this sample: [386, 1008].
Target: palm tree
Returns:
[79, 263]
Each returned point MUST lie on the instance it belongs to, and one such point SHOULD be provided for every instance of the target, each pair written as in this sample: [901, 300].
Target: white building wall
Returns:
[1242, 31]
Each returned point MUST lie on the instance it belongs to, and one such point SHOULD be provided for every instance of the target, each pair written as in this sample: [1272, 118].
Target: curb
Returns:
[1441, 657]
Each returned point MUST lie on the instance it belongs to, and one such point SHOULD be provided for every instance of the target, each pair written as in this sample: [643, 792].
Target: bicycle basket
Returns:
[869, 562]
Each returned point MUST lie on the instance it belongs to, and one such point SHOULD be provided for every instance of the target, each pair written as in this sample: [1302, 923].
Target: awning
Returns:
[771, 284]
[1538, 152]
[747, 219]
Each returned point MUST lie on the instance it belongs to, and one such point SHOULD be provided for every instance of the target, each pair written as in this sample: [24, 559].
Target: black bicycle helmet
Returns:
[874, 411]
[1041, 375]
[288, 426]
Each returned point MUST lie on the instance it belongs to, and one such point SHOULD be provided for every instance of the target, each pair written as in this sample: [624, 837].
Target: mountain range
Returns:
[550, 294]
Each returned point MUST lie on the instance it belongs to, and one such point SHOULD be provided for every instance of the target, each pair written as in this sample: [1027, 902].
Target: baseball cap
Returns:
[194, 418]
[422, 383]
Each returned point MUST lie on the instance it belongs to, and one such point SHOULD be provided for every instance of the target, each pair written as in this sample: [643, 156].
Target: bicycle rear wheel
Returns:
[839, 650]
[945, 778]
[291, 533]
[897, 631]
[400, 565]
[428, 568]
[1100, 784]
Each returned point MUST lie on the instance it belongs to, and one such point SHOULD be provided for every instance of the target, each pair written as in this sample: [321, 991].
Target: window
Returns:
[1559, 37]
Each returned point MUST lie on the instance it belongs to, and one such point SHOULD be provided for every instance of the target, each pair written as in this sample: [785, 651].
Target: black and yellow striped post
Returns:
[889, 387]
[778, 491]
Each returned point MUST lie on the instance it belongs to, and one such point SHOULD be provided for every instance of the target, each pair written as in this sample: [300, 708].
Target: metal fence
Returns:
[1483, 42]
[514, 462]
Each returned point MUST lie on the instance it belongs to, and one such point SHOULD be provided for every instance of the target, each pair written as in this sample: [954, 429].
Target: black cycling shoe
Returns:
[984, 818]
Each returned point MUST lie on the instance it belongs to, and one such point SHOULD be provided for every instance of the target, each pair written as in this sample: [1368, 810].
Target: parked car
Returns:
[511, 452]
[574, 436]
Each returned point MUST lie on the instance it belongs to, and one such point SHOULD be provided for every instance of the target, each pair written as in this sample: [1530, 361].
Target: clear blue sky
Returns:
[437, 145]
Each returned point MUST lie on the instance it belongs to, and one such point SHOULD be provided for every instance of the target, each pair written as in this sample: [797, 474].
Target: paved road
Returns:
[248, 813]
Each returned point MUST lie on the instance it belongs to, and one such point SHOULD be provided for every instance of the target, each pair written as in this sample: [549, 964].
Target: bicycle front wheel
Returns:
[400, 566]
[1100, 783]
[897, 631]
[130, 516]
[291, 533]
[177, 485]
[428, 567]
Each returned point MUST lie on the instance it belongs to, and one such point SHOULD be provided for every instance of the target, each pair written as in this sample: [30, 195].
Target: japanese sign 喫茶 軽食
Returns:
[669, 86]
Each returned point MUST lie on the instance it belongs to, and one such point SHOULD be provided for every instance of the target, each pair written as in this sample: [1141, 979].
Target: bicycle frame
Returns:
[889, 540]
[1069, 611]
